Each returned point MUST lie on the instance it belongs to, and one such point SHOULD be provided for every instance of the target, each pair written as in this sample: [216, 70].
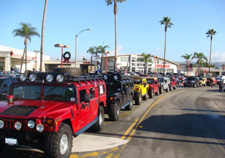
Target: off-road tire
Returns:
[98, 126]
[157, 93]
[114, 112]
[167, 90]
[175, 87]
[194, 85]
[145, 97]
[185, 85]
[2, 143]
[52, 142]
[130, 106]
[220, 88]
[71, 70]
[150, 93]
[161, 89]
[170, 87]
[137, 97]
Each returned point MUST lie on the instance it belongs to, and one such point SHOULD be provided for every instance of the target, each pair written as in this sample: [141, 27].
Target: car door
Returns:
[93, 105]
[84, 108]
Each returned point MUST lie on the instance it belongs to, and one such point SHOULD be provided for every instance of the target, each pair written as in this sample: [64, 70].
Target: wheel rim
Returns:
[100, 119]
[118, 111]
[64, 144]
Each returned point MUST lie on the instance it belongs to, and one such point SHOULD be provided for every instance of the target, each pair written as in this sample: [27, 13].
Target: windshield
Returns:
[58, 93]
[113, 87]
[27, 92]
[150, 81]
[161, 80]
[137, 81]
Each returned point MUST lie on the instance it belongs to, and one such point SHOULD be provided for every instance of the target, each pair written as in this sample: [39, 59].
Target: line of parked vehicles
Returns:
[45, 110]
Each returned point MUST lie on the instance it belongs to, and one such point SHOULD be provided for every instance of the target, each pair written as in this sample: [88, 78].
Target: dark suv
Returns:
[5, 83]
[119, 93]
[191, 81]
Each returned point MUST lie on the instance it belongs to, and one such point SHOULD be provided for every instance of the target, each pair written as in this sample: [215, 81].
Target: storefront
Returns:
[11, 58]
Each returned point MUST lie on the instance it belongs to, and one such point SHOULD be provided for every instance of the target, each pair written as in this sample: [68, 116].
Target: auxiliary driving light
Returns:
[49, 78]
[115, 77]
[105, 77]
[40, 128]
[18, 125]
[32, 77]
[31, 124]
[1, 124]
[22, 77]
[59, 78]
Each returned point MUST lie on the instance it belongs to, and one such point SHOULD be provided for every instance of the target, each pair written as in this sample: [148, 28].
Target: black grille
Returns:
[19, 110]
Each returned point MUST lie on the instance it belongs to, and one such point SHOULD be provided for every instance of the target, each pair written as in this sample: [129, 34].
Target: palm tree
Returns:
[167, 22]
[201, 58]
[102, 50]
[110, 2]
[26, 31]
[210, 34]
[187, 57]
[42, 34]
[92, 51]
[146, 60]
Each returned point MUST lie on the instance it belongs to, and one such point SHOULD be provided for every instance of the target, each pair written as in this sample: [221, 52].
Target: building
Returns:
[136, 63]
[11, 58]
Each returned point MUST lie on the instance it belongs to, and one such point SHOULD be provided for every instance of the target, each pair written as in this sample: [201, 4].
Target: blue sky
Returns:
[138, 26]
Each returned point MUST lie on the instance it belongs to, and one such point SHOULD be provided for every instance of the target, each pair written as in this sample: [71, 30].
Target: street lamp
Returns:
[89, 29]
[36, 51]
[61, 46]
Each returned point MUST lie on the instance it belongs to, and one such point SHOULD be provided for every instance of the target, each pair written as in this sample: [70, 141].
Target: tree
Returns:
[26, 31]
[187, 57]
[42, 35]
[102, 50]
[110, 2]
[92, 51]
[210, 34]
[201, 58]
[147, 58]
[167, 22]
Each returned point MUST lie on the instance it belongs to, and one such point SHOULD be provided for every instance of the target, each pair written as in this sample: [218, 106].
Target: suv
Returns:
[202, 81]
[5, 83]
[164, 84]
[45, 110]
[153, 86]
[119, 94]
[191, 81]
[140, 89]
[173, 83]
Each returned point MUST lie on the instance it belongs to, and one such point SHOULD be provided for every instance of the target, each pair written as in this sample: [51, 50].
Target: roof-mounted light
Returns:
[49, 78]
[32, 77]
[59, 78]
[23, 77]
[115, 77]
[105, 77]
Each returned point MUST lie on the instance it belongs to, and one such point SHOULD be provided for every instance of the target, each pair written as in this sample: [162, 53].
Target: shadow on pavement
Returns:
[198, 110]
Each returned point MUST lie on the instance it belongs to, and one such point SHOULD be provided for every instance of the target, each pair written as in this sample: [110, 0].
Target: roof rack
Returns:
[83, 78]
[121, 76]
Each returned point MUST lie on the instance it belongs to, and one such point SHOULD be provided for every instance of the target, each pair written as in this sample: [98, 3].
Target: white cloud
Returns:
[218, 57]
[119, 51]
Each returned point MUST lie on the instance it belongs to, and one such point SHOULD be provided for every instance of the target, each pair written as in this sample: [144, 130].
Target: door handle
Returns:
[82, 106]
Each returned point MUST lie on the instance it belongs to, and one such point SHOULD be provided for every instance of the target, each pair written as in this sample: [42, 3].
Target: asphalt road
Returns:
[188, 122]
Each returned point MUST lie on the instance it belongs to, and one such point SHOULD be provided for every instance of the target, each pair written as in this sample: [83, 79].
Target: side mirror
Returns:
[87, 98]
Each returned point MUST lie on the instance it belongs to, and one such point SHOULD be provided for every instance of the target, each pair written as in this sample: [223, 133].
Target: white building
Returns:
[136, 63]
[11, 58]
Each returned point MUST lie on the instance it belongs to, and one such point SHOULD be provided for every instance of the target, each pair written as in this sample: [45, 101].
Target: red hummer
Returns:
[173, 83]
[153, 86]
[45, 110]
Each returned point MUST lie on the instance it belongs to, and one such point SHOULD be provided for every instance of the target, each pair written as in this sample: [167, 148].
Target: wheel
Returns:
[200, 85]
[114, 112]
[130, 106]
[137, 97]
[175, 87]
[220, 89]
[98, 126]
[167, 90]
[145, 97]
[2, 143]
[194, 85]
[150, 93]
[59, 144]
[185, 86]
[161, 90]
[157, 93]
[71, 70]
[170, 87]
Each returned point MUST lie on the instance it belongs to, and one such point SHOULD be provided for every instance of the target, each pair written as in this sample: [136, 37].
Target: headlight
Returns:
[32, 77]
[105, 77]
[22, 77]
[1, 124]
[40, 128]
[31, 124]
[59, 78]
[49, 78]
[18, 125]
[115, 77]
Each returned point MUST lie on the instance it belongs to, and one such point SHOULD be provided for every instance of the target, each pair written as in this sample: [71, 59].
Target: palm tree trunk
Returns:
[42, 35]
[21, 65]
[91, 59]
[164, 63]
[25, 43]
[115, 44]
[210, 54]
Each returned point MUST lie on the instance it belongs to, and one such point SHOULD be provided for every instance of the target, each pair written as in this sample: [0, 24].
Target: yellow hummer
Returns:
[202, 81]
[140, 89]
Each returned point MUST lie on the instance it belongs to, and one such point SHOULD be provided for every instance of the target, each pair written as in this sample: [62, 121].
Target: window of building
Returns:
[157, 61]
[124, 59]
[140, 59]
[82, 95]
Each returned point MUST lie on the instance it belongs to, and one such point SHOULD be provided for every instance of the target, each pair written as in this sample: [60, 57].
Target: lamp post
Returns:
[61, 46]
[36, 51]
[89, 29]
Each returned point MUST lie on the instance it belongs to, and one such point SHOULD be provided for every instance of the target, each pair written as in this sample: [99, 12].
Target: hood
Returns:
[34, 109]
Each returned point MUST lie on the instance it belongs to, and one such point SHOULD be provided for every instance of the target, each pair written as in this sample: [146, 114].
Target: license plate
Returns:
[11, 141]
